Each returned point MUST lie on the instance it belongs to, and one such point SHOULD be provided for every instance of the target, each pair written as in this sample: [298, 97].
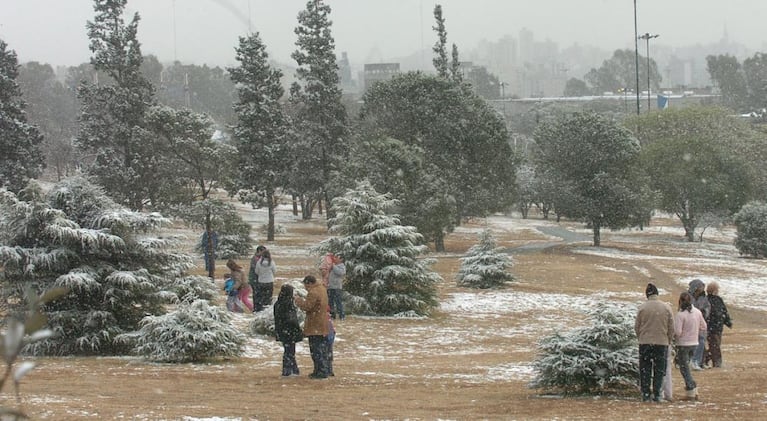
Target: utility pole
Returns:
[636, 53]
[647, 36]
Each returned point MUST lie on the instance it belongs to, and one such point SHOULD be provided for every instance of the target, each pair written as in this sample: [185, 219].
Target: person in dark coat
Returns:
[287, 329]
[717, 320]
[698, 290]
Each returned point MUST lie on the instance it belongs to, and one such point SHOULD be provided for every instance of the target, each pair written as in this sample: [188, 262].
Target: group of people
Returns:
[318, 327]
[700, 318]
[255, 293]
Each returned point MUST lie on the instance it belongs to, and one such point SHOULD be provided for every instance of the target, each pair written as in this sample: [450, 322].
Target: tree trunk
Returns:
[210, 249]
[270, 209]
[524, 209]
[295, 205]
[597, 238]
[439, 242]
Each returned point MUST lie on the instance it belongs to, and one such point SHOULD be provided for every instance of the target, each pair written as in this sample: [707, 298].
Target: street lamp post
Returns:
[647, 36]
[636, 53]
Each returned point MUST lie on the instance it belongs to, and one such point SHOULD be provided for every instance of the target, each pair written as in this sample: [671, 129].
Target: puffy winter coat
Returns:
[287, 329]
[719, 316]
[316, 307]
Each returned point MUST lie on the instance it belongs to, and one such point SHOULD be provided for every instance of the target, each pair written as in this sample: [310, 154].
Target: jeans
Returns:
[263, 295]
[683, 355]
[336, 303]
[289, 364]
[318, 348]
[652, 367]
[697, 357]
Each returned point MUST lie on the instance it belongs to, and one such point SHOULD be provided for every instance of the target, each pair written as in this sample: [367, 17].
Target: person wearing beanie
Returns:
[654, 327]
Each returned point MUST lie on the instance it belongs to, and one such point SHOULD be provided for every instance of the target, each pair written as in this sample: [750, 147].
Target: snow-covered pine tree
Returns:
[382, 266]
[112, 119]
[190, 333]
[316, 99]
[600, 357]
[116, 269]
[440, 47]
[21, 158]
[485, 265]
[261, 132]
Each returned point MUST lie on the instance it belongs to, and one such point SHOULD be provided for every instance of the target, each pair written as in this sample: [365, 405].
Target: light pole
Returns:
[636, 53]
[647, 36]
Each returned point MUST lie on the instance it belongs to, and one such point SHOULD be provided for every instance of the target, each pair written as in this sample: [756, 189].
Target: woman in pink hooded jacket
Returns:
[688, 323]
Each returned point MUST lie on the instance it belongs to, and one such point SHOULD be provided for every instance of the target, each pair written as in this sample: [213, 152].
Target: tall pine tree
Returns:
[440, 47]
[316, 98]
[262, 128]
[112, 126]
[20, 158]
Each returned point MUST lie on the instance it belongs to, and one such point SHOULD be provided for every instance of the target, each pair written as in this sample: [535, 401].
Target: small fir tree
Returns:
[600, 357]
[485, 265]
[382, 268]
[116, 270]
[20, 155]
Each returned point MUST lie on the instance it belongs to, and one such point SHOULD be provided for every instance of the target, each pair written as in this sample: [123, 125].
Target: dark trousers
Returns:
[652, 367]
[289, 364]
[683, 357]
[318, 348]
[714, 349]
[336, 303]
[263, 294]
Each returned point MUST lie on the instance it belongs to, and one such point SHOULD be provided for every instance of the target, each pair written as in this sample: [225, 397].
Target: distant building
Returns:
[345, 75]
[376, 72]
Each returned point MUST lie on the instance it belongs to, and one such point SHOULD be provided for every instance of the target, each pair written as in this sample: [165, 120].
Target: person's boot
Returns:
[692, 394]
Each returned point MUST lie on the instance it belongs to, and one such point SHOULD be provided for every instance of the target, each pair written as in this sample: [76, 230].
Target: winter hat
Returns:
[651, 290]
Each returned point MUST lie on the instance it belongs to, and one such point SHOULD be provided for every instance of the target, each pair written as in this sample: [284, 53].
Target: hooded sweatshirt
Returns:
[700, 301]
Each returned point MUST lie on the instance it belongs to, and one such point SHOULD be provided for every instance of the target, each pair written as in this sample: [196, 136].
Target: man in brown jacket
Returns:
[316, 325]
[654, 328]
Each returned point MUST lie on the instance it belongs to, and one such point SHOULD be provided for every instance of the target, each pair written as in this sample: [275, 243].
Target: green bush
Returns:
[751, 222]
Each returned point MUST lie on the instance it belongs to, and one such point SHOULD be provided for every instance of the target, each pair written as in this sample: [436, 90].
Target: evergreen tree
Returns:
[112, 126]
[20, 156]
[262, 128]
[751, 222]
[440, 47]
[464, 143]
[485, 265]
[382, 269]
[316, 98]
[116, 270]
[601, 357]
[455, 66]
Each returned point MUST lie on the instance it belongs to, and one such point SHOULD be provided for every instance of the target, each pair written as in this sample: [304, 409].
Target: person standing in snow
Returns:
[241, 286]
[252, 277]
[265, 271]
[688, 323]
[316, 325]
[698, 290]
[718, 318]
[654, 327]
[287, 329]
[335, 287]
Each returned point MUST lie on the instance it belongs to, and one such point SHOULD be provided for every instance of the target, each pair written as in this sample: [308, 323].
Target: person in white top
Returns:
[688, 323]
[265, 269]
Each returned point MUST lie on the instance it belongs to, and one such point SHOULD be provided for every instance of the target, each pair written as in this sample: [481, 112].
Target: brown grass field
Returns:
[405, 369]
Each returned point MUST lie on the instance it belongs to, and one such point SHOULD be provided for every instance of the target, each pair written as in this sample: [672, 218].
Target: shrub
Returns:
[190, 333]
[597, 358]
[751, 222]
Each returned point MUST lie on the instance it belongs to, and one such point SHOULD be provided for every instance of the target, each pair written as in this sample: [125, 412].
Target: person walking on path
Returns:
[718, 318]
[287, 329]
[335, 287]
[688, 323]
[698, 290]
[265, 271]
[316, 325]
[654, 327]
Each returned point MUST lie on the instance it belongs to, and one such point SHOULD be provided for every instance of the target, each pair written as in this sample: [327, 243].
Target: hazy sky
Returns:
[206, 31]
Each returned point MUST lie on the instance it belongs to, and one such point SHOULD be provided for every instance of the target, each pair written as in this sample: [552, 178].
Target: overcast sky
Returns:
[206, 31]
